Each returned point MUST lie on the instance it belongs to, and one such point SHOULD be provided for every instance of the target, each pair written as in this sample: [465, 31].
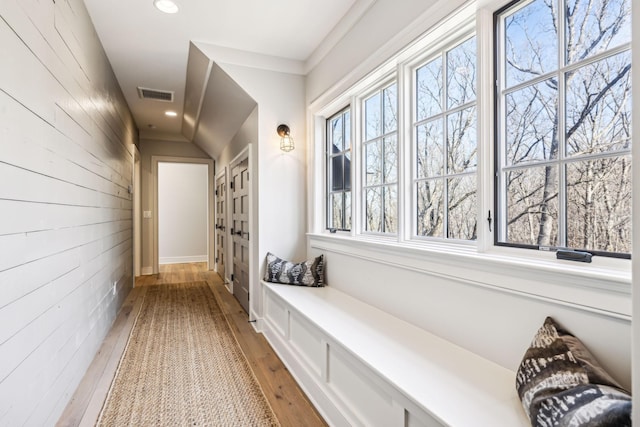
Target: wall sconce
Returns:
[286, 142]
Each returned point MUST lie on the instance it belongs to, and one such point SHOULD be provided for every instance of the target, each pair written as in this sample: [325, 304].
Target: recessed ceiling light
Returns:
[170, 113]
[166, 6]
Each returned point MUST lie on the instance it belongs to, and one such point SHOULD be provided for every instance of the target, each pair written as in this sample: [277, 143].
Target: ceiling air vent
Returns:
[155, 94]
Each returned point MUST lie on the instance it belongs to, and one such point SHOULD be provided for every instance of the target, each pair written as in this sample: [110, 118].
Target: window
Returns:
[445, 144]
[380, 156]
[564, 125]
[339, 171]
[425, 149]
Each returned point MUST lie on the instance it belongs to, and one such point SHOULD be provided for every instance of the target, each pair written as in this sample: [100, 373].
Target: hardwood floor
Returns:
[286, 398]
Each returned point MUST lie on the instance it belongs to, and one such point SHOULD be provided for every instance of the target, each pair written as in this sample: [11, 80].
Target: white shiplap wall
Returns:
[66, 147]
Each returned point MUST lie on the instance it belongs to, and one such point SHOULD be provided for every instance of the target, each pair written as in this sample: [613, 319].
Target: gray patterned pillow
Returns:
[561, 384]
[308, 273]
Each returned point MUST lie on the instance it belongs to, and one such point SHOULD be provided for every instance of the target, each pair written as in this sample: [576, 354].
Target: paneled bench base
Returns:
[361, 366]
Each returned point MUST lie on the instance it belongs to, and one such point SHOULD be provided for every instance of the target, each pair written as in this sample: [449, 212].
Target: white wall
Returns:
[148, 149]
[470, 303]
[279, 192]
[248, 133]
[381, 32]
[182, 212]
[66, 150]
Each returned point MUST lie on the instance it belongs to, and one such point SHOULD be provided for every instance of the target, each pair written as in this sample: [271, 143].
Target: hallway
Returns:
[285, 397]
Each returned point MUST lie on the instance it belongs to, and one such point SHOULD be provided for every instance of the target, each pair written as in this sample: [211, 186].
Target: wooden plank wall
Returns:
[66, 160]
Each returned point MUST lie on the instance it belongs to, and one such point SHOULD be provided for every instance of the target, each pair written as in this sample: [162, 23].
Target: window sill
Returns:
[604, 286]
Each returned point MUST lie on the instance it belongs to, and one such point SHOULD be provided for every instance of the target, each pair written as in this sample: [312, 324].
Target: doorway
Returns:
[182, 213]
[179, 236]
[137, 214]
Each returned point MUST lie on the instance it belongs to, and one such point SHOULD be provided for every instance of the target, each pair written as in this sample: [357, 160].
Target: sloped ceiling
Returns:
[215, 105]
[151, 49]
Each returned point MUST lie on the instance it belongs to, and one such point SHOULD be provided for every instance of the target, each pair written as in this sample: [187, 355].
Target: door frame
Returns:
[246, 154]
[223, 174]
[210, 205]
[137, 214]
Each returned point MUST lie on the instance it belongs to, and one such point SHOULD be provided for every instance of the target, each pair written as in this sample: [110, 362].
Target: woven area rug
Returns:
[183, 367]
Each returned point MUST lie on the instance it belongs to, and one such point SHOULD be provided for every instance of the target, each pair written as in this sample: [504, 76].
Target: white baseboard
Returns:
[183, 259]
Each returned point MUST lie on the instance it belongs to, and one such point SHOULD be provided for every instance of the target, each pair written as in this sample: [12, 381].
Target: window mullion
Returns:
[485, 79]
[561, 108]
[445, 147]
[501, 149]
[414, 164]
[343, 212]
[383, 162]
[562, 170]
[404, 123]
[356, 203]
[328, 178]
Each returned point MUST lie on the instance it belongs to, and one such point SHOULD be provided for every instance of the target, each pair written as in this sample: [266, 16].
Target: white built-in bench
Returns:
[362, 366]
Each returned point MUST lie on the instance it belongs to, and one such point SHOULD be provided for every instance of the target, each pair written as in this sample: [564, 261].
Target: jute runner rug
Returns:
[183, 367]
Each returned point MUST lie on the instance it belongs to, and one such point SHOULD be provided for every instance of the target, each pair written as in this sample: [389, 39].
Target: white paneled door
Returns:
[240, 232]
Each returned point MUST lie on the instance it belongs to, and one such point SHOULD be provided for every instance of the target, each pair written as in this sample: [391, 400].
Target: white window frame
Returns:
[360, 147]
[562, 160]
[439, 50]
[328, 157]
[602, 286]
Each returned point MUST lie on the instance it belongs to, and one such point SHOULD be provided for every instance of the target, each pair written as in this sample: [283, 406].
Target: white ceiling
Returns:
[149, 48]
